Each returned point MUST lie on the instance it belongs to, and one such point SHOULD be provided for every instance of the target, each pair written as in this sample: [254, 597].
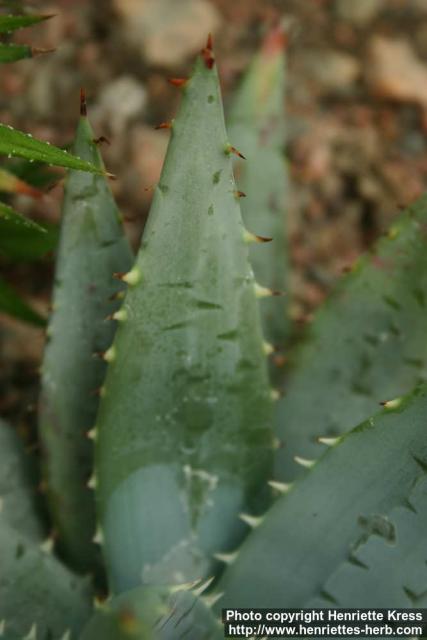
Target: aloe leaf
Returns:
[366, 344]
[320, 522]
[38, 595]
[23, 239]
[388, 570]
[256, 125]
[14, 143]
[12, 304]
[154, 613]
[92, 248]
[11, 23]
[17, 491]
[183, 439]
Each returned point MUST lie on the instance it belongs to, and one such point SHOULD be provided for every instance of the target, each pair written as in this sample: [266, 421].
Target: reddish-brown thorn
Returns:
[83, 107]
[207, 53]
[279, 360]
[150, 188]
[164, 125]
[115, 296]
[265, 239]
[236, 152]
[119, 275]
[101, 139]
[178, 82]
[240, 194]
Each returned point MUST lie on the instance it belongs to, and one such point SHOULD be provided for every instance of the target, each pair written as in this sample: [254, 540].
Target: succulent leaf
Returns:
[154, 613]
[349, 494]
[184, 441]
[37, 591]
[389, 570]
[12, 304]
[92, 248]
[256, 126]
[365, 345]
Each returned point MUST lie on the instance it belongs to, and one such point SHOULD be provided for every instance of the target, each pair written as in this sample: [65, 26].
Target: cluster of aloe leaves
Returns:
[168, 459]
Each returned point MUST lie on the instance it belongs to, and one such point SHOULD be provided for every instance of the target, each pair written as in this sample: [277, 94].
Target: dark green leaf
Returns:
[12, 304]
[14, 52]
[14, 143]
[23, 239]
[12, 23]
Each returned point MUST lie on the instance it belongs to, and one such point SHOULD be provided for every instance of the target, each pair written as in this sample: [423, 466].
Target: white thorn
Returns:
[249, 237]
[120, 315]
[92, 483]
[197, 591]
[98, 538]
[132, 277]
[32, 634]
[92, 434]
[67, 635]
[267, 348]
[2, 627]
[252, 521]
[262, 292]
[330, 442]
[275, 395]
[277, 444]
[47, 545]
[110, 354]
[227, 558]
[185, 586]
[281, 487]
[211, 599]
[304, 462]
[393, 404]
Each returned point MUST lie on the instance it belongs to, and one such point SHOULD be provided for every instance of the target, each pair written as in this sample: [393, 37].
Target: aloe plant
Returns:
[160, 363]
[92, 249]
[183, 428]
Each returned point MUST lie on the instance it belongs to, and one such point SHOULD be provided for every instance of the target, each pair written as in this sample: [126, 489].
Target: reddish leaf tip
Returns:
[207, 53]
[83, 106]
[275, 41]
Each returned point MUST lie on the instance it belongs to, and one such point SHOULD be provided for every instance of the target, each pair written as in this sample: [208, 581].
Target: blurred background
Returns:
[356, 109]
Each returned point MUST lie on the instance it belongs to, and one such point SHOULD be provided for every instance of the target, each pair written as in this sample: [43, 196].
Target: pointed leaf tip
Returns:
[275, 41]
[207, 53]
[83, 106]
